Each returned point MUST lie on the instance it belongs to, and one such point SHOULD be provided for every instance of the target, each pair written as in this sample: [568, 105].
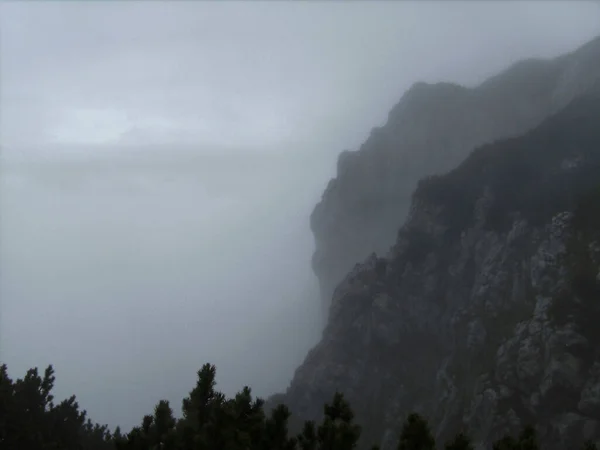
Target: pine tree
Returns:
[528, 439]
[460, 442]
[338, 431]
[307, 440]
[276, 430]
[506, 443]
[6, 406]
[163, 423]
[416, 434]
[197, 406]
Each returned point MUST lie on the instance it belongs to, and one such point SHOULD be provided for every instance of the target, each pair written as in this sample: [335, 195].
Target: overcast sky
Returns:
[129, 275]
[251, 73]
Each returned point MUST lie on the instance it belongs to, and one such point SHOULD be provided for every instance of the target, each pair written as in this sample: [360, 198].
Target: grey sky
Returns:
[252, 72]
[129, 274]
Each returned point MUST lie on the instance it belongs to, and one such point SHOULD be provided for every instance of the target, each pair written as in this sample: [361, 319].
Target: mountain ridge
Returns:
[430, 131]
[480, 316]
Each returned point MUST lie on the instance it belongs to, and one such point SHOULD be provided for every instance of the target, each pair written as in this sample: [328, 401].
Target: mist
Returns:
[129, 273]
[160, 162]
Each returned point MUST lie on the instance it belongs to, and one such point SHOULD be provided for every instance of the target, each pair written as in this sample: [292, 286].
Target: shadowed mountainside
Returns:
[484, 313]
[430, 131]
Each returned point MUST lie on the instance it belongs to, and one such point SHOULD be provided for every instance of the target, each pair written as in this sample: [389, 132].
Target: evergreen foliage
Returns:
[30, 419]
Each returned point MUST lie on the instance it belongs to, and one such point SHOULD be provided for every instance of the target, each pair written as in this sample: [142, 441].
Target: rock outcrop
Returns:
[485, 313]
[430, 131]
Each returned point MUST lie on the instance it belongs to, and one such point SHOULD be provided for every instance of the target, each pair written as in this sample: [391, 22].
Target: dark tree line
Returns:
[31, 420]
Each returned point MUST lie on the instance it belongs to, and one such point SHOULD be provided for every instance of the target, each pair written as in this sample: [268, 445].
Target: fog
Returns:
[128, 274]
[160, 162]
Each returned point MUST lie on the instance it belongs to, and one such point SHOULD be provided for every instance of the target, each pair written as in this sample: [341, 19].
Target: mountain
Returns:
[430, 131]
[485, 312]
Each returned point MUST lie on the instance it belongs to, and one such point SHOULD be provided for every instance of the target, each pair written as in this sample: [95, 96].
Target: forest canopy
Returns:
[31, 419]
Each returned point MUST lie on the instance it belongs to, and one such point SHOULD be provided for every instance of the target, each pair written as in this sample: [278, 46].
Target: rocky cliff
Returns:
[430, 131]
[485, 314]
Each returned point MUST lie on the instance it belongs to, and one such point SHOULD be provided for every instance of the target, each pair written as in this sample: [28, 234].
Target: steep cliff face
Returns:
[485, 313]
[430, 131]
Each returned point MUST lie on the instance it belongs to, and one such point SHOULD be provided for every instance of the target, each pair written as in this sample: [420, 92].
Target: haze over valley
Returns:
[128, 268]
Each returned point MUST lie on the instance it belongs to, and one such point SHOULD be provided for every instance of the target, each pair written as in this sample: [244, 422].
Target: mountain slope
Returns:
[484, 313]
[430, 131]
